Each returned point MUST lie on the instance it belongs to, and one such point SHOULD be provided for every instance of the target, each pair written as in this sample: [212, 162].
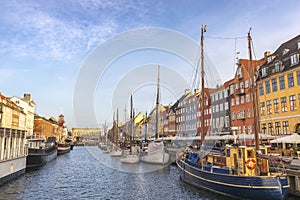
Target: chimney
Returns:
[267, 53]
[27, 97]
[187, 91]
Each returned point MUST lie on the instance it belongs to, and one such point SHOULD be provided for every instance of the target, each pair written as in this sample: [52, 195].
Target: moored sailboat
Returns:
[156, 153]
[116, 150]
[234, 171]
[133, 155]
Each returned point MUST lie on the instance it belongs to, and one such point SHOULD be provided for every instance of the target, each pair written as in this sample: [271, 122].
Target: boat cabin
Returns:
[243, 161]
[36, 143]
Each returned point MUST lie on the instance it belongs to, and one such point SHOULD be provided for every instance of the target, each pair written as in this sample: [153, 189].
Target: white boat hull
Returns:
[12, 168]
[156, 158]
[131, 159]
[116, 153]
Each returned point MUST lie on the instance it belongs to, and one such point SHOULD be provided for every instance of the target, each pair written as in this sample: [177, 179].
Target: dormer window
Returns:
[277, 66]
[294, 59]
[285, 51]
[239, 73]
[269, 59]
[264, 72]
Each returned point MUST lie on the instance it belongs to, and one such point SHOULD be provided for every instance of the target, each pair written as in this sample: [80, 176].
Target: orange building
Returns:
[44, 128]
[241, 97]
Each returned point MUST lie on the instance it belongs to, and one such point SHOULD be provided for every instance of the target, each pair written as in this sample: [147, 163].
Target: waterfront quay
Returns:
[89, 173]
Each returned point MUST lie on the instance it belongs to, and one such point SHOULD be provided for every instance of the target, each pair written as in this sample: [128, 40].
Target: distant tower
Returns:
[61, 120]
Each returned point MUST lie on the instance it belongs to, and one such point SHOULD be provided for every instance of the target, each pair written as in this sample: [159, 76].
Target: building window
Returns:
[231, 89]
[298, 44]
[237, 101]
[294, 59]
[236, 86]
[264, 128]
[298, 77]
[261, 89]
[239, 73]
[246, 83]
[281, 82]
[293, 103]
[285, 126]
[226, 105]
[262, 108]
[274, 85]
[227, 121]
[264, 72]
[249, 113]
[267, 83]
[291, 80]
[276, 106]
[269, 107]
[242, 99]
[242, 85]
[283, 104]
[269, 59]
[271, 130]
[232, 102]
[226, 93]
[277, 67]
[247, 98]
[277, 128]
[250, 129]
[233, 116]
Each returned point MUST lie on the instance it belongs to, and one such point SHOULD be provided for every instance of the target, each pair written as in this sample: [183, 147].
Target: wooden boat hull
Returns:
[39, 157]
[240, 187]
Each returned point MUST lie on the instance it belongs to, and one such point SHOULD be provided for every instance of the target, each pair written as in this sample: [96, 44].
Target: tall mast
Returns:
[117, 131]
[253, 93]
[126, 126]
[203, 29]
[157, 102]
[114, 129]
[131, 122]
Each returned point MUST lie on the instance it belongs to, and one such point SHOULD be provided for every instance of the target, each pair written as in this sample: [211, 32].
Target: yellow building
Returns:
[278, 88]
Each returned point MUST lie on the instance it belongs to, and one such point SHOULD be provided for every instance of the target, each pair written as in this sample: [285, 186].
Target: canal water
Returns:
[89, 173]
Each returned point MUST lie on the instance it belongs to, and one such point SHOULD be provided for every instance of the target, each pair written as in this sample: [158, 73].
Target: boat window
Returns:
[228, 153]
[263, 151]
[249, 153]
[240, 153]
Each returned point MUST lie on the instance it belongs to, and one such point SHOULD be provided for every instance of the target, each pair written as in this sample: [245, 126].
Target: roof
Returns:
[282, 56]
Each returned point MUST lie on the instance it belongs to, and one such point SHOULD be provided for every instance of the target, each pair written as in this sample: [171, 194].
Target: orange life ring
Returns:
[251, 163]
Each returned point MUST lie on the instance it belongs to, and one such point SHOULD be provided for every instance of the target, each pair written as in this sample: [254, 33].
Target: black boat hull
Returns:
[39, 157]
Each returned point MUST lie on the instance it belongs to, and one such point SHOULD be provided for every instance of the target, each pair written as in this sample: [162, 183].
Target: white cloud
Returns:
[36, 30]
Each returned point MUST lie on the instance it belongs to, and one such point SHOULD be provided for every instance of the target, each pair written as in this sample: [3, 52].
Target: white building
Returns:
[12, 140]
[28, 106]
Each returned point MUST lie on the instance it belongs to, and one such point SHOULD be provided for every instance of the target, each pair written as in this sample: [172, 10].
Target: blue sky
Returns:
[45, 44]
